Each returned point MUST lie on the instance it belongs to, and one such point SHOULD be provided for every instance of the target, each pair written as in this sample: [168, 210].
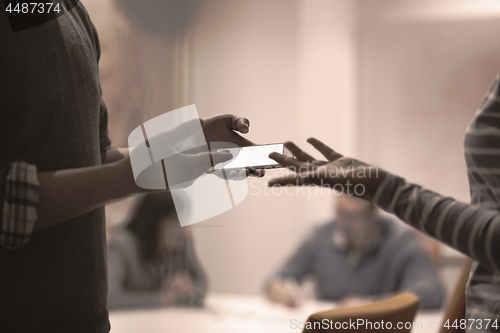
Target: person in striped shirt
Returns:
[473, 229]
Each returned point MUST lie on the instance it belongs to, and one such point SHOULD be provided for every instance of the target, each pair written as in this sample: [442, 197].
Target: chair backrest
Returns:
[455, 308]
[374, 317]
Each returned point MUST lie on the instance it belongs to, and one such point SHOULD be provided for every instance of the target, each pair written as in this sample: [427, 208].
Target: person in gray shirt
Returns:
[58, 170]
[359, 257]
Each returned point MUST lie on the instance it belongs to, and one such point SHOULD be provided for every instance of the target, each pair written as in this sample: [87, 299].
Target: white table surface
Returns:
[234, 313]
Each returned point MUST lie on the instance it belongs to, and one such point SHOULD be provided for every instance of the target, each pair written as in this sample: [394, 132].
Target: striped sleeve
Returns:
[472, 230]
[20, 195]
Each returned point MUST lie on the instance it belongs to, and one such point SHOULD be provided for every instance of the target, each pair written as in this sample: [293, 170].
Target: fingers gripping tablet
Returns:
[160, 160]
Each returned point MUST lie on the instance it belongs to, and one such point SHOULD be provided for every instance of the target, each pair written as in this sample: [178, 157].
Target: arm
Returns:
[30, 201]
[115, 154]
[471, 230]
[68, 193]
[283, 286]
[65, 194]
[181, 289]
[285, 291]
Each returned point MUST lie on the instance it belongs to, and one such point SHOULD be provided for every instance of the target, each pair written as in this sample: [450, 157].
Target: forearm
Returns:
[276, 291]
[116, 154]
[469, 229]
[285, 291]
[65, 194]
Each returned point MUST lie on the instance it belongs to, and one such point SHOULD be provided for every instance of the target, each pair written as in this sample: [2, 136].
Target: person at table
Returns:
[151, 259]
[473, 229]
[358, 257]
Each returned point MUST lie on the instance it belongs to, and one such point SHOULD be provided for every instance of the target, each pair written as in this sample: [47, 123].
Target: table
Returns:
[235, 313]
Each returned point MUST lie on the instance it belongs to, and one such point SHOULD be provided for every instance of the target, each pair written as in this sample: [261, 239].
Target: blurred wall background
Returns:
[425, 67]
[394, 82]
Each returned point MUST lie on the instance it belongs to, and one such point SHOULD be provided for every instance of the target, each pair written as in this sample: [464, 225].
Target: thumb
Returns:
[242, 125]
[222, 156]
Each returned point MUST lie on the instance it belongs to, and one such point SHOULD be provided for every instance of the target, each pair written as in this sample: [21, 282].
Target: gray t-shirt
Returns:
[52, 116]
[397, 263]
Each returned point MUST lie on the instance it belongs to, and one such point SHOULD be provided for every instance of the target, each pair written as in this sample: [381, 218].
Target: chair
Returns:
[456, 304]
[393, 310]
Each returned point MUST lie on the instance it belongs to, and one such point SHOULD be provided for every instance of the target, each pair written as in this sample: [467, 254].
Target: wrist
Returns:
[373, 184]
[124, 169]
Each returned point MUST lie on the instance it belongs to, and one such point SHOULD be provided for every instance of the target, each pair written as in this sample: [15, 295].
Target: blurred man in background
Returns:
[358, 258]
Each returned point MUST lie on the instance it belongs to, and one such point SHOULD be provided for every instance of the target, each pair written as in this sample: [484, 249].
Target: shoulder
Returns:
[83, 17]
[318, 234]
[322, 229]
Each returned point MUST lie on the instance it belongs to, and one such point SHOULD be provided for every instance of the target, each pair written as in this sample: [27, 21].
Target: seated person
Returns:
[359, 257]
[151, 259]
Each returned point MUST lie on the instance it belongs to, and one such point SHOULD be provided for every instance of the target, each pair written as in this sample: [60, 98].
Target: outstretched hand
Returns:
[344, 174]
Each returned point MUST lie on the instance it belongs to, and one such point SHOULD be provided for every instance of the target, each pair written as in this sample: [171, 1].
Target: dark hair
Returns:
[145, 221]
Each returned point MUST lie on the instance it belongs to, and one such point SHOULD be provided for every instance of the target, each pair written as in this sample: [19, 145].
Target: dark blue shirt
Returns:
[396, 263]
